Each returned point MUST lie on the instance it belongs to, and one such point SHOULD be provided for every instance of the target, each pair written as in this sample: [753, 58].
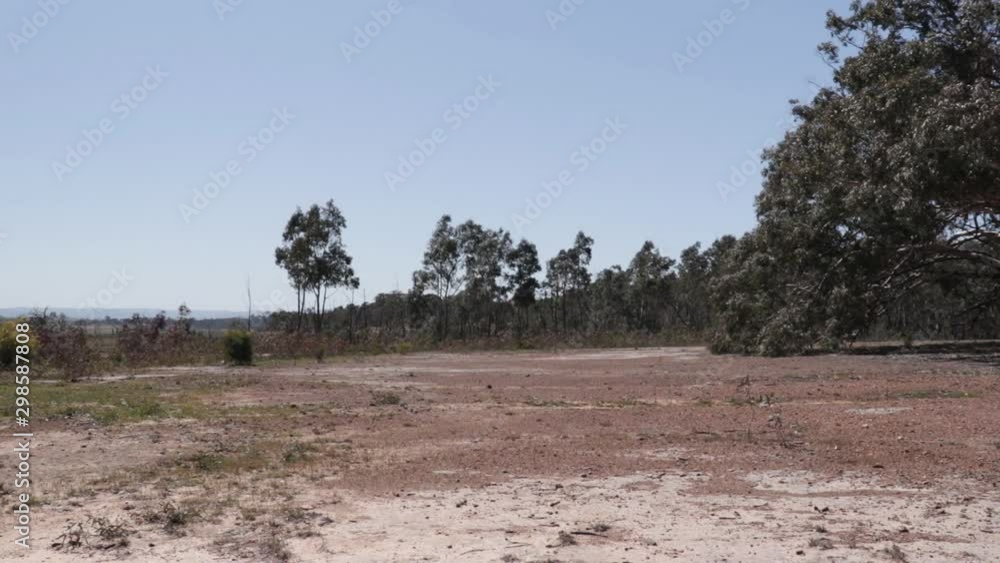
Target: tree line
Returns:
[475, 282]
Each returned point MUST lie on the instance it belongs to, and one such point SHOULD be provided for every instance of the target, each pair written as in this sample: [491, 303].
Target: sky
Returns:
[153, 151]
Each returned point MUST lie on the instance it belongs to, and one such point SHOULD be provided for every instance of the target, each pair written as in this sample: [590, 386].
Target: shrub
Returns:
[139, 339]
[173, 518]
[8, 344]
[385, 398]
[238, 347]
[62, 346]
[403, 347]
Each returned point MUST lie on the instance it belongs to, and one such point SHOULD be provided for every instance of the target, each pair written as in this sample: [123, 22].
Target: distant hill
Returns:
[100, 314]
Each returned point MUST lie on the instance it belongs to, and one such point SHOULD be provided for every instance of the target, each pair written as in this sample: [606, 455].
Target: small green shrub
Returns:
[385, 398]
[8, 344]
[238, 347]
[403, 347]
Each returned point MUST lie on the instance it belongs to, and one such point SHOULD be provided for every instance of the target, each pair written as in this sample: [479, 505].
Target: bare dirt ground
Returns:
[592, 456]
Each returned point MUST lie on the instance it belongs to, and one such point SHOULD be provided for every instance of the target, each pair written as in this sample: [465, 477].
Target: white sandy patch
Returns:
[658, 517]
[652, 518]
[879, 410]
[675, 354]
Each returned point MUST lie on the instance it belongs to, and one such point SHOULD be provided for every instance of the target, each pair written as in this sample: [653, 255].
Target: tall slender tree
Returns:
[567, 277]
[650, 280]
[441, 273]
[314, 255]
[521, 281]
[484, 255]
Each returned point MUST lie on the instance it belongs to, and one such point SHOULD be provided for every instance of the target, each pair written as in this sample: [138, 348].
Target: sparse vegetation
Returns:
[173, 519]
[72, 537]
[298, 452]
[238, 460]
[385, 398]
[111, 533]
[97, 533]
[120, 401]
[936, 394]
[274, 548]
[624, 403]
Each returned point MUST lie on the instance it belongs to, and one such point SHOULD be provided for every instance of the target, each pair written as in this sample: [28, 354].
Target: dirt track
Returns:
[597, 456]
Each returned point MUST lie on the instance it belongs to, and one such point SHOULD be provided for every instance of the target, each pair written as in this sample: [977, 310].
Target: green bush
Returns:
[239, 347]
[8, 344]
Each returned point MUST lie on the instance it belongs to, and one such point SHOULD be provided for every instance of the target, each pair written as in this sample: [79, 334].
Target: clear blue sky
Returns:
[70, 224]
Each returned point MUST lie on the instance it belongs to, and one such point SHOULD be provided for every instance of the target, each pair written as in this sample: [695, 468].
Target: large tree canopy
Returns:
[889, 183]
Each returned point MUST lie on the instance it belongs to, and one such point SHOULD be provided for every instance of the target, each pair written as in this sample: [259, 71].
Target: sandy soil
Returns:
[591, 456]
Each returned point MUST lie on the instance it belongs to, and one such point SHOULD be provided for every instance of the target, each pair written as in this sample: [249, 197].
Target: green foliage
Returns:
[441, 274]
[313, 253]
[109, 402]
[651, 280]
[484, 254]
[238, 347]
[567, 278]
[8, 343]
[523, 260]
[887, 185]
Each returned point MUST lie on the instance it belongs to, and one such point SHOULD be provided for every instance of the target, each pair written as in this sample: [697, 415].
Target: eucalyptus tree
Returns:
[650, 279]
[521, 281]
[691, 300]
[697, 271]
[293, 257]
[313, 253]
[567, 276]
[609, 296]
[442, 270]
[483, 259]
[888, 183]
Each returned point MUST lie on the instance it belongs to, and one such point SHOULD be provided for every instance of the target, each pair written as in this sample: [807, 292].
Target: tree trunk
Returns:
[319, 314]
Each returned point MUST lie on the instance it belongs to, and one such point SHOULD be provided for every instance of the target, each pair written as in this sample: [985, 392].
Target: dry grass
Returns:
[385, 398]
[172, 518]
